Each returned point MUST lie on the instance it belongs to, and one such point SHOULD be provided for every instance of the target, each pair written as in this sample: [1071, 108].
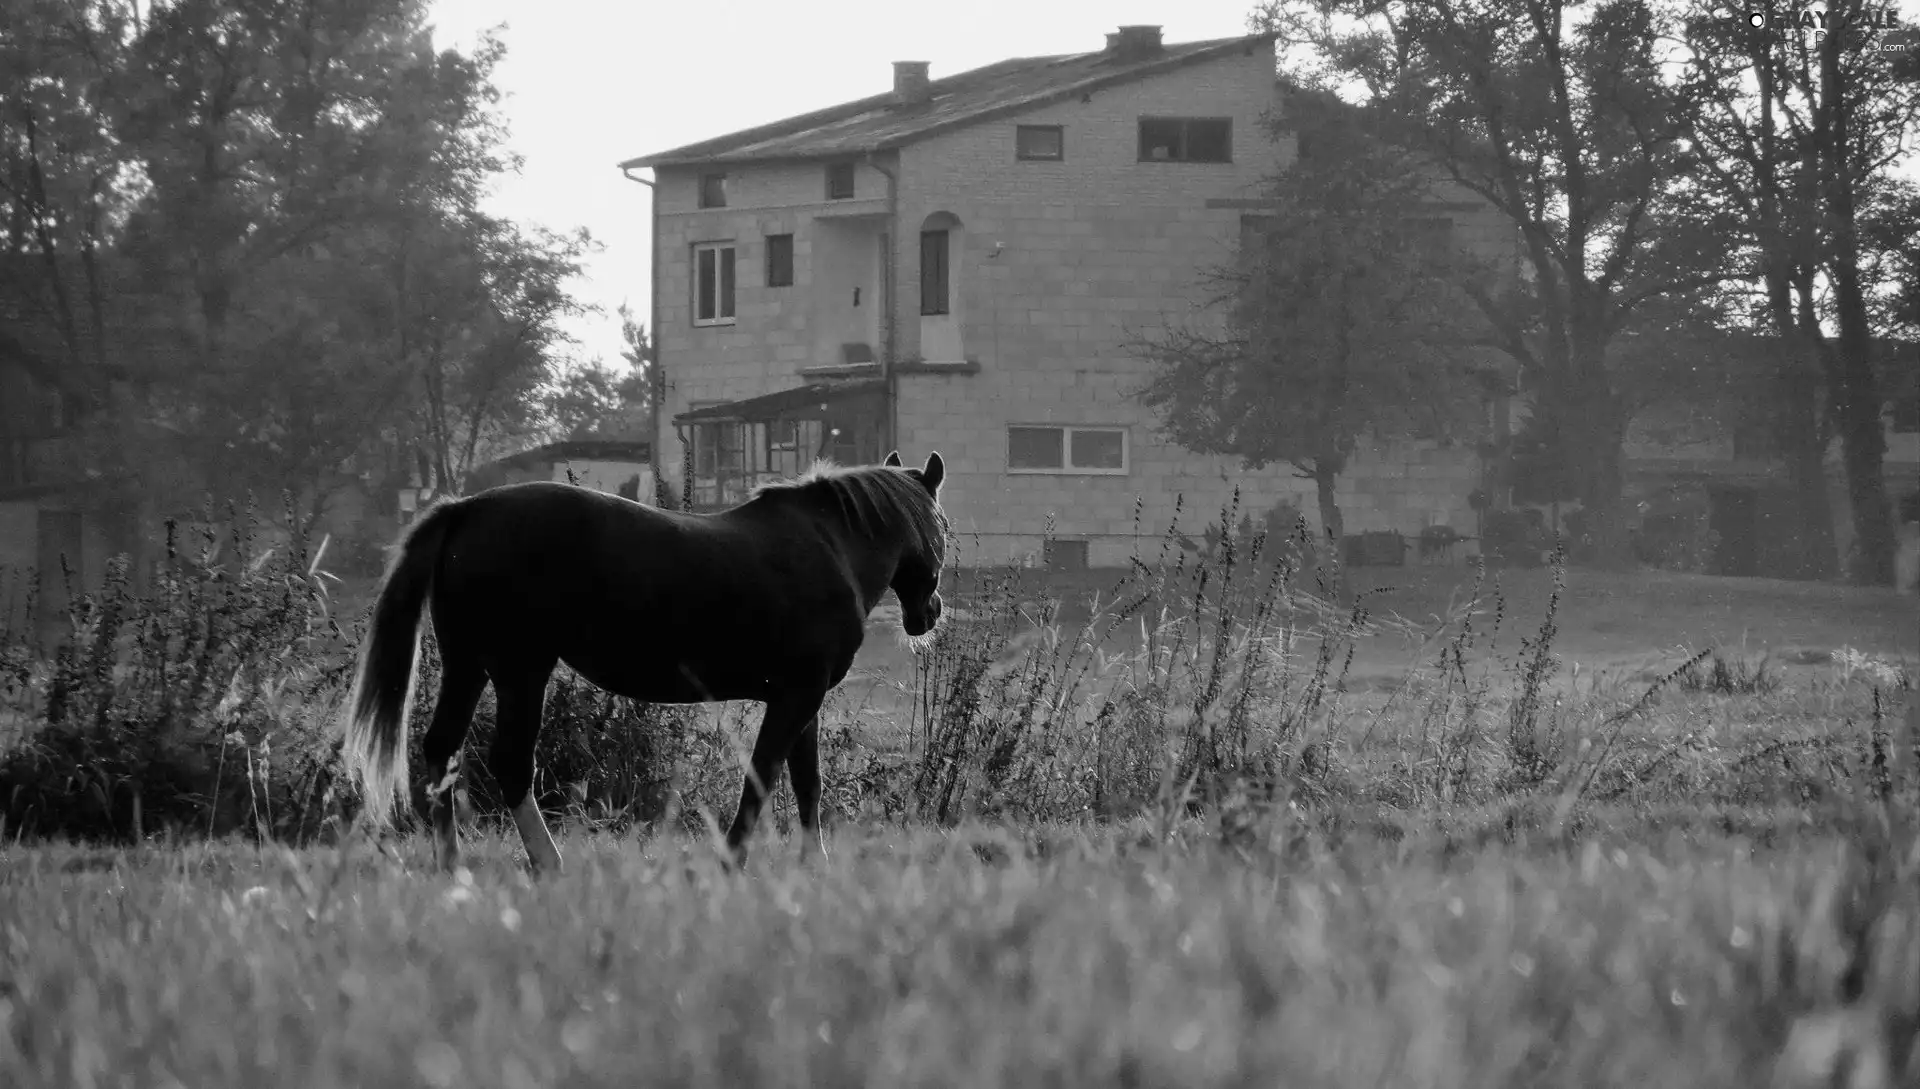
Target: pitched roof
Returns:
[876, 123]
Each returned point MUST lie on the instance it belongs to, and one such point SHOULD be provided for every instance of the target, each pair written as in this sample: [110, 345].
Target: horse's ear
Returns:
[893, 459]
[934, 473]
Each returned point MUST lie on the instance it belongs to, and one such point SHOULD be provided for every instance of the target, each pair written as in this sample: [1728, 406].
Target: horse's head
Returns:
[916, 580]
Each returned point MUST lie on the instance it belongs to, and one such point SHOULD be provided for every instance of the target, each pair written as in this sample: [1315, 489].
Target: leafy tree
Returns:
[1800, 138]
[1567, 127]
[1340, 318]
[257, 223]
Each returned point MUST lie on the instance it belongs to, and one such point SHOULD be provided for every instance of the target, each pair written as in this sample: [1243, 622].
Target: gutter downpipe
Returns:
[890, 313]
[659, 391]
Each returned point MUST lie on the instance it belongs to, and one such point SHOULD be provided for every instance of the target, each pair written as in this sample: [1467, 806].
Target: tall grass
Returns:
[1211, 682]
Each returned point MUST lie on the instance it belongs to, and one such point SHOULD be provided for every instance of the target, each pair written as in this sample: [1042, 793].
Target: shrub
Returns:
[195, 704]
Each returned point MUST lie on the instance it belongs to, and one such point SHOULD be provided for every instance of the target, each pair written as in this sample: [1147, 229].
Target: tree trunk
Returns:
[1325, 471]
[1797, 430]
[1794, 412]
[1856, 398]
[1597, 417]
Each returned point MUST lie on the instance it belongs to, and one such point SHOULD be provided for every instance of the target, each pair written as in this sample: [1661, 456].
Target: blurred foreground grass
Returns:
[1659, 950]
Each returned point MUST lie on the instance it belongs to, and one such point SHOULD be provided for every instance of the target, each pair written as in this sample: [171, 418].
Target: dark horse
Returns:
[767, 601]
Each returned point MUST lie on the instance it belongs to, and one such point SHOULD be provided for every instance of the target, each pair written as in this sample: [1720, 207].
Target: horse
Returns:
[767, 601]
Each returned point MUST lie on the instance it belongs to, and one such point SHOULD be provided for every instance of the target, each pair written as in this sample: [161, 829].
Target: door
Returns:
[59, 540]
[1735, 517]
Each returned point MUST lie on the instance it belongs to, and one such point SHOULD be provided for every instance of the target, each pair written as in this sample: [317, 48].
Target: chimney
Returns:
[910, 84]
[1135, 43]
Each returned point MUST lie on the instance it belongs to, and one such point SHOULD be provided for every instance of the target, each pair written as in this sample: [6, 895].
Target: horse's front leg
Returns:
[780, 730]
[803, 767]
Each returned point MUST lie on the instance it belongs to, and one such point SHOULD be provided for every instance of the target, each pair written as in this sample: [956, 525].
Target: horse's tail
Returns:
[375, 726]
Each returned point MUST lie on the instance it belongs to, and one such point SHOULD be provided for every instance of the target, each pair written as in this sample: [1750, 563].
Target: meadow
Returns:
[1222, 820]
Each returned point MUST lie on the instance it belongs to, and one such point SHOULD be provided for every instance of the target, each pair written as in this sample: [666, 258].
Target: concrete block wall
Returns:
[1095, 252]
[773, 336]
[1001, 516]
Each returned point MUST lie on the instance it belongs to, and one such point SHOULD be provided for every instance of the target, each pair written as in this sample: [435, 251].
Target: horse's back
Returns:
[637, 598]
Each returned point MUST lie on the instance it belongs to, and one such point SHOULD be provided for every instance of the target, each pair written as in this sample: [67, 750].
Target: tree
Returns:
[1338, 320]
[1799, 138]
[257, 222]
[1567, 128]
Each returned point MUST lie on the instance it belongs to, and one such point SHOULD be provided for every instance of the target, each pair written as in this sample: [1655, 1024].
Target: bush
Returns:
[1215, 685]
[197, 704]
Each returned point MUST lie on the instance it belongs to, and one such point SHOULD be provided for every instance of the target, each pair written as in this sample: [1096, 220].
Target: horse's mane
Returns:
[874, 499]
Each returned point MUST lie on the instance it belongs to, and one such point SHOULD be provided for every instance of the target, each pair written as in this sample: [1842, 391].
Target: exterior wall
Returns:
[777, 330]
[20, 561]
[1056, 268]
[1093, 251]
[19, 547]
[606, 476]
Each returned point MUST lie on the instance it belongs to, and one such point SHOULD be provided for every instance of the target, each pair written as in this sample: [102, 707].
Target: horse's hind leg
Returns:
[520, 698]
[461, 682]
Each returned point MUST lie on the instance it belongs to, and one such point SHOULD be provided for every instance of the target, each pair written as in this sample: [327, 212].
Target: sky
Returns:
[590, 83]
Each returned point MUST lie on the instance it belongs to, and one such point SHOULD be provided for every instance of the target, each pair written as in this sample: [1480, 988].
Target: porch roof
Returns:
[799, 401]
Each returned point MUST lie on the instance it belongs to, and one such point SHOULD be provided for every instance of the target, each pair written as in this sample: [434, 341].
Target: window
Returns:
[779, 260]
[1186, 140]
[1061, 555]
[1101, 450]
[1256, 234]
[1432, 236]
[713, 190]
[839, 181]
[14, 463]
[1906, 414]
[713, 284]
[1045, 143]
[933, 273]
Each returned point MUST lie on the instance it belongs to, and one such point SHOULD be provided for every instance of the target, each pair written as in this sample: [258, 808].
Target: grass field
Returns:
[1697, 881]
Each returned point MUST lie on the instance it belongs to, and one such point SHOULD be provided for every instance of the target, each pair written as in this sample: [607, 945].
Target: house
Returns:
[959, 265]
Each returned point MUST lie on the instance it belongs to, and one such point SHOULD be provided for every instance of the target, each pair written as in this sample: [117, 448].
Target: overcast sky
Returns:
[590, 83]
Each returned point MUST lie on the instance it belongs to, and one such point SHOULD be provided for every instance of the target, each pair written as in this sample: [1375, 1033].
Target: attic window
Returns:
[839, 181]
[1186, 140]
[1042, 143]
[713, 190]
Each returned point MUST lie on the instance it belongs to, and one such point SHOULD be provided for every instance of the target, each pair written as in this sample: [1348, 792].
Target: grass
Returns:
[1227, 824]
[978, 957]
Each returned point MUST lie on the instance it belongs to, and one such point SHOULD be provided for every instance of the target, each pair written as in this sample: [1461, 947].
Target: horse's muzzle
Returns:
[920, 621]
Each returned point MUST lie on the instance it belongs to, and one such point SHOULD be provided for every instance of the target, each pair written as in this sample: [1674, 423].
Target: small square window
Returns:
[1430, 235]
[1041, 143]
[839, 181]
[779, 260]
[1036, 448]
[1097, 449]
[713, 190]
[1064, 555]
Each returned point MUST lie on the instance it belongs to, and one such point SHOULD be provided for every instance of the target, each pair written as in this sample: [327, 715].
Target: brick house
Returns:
[959, 264]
